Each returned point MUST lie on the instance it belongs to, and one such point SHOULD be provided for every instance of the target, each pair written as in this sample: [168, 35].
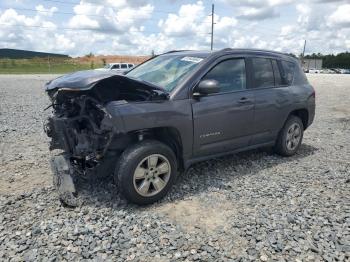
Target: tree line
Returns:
[341, 60]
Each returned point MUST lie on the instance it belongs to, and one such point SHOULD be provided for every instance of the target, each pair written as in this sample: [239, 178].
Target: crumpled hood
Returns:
[85, 80]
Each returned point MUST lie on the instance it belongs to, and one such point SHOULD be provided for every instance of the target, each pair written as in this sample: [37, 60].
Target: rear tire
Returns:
[290, 137]
[146, 171]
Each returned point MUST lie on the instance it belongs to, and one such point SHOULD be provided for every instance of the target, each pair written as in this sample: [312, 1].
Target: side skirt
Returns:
[191, 161]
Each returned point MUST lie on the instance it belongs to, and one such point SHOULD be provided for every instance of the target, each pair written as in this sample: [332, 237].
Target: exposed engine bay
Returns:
[81, 126]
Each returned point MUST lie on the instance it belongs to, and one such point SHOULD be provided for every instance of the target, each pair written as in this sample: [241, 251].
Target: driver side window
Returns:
[230, 74]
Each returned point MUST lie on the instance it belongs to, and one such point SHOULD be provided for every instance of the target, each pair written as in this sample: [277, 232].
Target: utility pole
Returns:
[302, 58]
[212, 27]
[48, 63]
[304, 48]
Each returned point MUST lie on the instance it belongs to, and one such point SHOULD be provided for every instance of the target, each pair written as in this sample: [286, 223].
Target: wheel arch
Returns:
[303, 114]
[167, 135]
[172, 138]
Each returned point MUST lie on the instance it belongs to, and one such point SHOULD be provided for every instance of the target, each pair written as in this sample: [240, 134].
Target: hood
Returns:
[86, 80]
[104, 86]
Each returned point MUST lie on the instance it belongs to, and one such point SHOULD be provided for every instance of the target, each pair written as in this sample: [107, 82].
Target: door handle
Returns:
[244, 100]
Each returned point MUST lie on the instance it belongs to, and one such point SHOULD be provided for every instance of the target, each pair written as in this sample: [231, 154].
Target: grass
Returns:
[44, 66]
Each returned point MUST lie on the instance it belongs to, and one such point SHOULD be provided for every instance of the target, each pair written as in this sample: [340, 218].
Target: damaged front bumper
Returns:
[63, 180]
[84, 139]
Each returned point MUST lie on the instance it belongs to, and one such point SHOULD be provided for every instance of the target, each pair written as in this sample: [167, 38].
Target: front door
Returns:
[224, 121]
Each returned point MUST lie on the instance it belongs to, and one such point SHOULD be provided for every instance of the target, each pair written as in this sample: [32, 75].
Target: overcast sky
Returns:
[76, 27]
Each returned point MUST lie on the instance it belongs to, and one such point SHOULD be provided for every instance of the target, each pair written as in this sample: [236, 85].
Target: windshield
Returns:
[107, 66]
[165, 71]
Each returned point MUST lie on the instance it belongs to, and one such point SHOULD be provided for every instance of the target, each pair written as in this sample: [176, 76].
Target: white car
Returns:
[327, 71]
[314, 71]
[117, 67]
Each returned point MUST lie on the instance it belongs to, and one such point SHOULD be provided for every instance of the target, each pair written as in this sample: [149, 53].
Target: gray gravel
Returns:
[250, 206]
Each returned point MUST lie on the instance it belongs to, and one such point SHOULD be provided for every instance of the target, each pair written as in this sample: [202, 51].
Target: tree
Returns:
[341, 60]
[90, 55]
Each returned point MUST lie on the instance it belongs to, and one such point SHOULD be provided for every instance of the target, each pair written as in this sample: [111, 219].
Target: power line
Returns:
[138, 31]
[108, 6]
[80, 14]
[92, 29]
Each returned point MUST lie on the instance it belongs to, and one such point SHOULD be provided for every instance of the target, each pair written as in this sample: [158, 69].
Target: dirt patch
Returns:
[194, 214]
[112, 59]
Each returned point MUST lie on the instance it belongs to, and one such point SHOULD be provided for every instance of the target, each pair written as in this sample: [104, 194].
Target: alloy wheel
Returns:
[293, 136]
[152, 175]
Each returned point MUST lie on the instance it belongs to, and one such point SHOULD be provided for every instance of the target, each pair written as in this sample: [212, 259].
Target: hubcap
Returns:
[293, 136]
[152, 175]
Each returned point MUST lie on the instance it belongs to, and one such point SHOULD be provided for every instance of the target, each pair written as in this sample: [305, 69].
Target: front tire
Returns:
[146, 171]
[290, 137]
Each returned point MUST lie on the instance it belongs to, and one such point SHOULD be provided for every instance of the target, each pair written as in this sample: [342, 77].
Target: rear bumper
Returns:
[311, 111]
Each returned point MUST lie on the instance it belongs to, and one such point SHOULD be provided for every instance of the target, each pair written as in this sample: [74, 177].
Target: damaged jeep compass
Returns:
[146, 126]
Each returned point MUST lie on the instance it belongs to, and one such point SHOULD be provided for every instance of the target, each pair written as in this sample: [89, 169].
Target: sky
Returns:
[136, 27]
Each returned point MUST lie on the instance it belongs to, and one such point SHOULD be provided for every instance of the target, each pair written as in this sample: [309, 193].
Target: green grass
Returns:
[42, 66]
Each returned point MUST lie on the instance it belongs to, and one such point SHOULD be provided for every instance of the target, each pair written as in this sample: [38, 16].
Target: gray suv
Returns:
[173, 110]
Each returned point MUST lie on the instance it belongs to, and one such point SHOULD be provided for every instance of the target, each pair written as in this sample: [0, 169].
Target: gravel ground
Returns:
[250, 206]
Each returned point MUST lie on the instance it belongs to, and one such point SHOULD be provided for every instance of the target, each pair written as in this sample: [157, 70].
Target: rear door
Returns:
[272, 99]
[224, 121]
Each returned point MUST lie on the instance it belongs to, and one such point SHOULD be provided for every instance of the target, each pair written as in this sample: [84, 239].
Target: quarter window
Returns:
[287, 72]
[263, 72]
[230, 74]
[277, 73]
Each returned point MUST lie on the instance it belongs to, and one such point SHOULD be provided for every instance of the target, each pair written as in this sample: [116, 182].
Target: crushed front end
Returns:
[87, 135]
[82, 129]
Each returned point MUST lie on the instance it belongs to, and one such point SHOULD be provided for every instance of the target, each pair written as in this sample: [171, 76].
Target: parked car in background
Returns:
[327, 71]
[336, 70]
[344, 71]
[314, 71]
[172, 111]
[117, 67]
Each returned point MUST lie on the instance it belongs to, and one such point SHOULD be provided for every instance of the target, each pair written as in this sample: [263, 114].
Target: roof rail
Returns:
[174, 51]
[256, 50]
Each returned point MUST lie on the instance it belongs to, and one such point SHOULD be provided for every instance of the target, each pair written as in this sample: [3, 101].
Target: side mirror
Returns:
[206, 87]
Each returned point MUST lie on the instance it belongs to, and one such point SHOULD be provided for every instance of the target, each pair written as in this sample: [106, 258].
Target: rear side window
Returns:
[263, 72]
[230, 74]
[287, 72]
[277, 73]
[124, 66]
[130, 65]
